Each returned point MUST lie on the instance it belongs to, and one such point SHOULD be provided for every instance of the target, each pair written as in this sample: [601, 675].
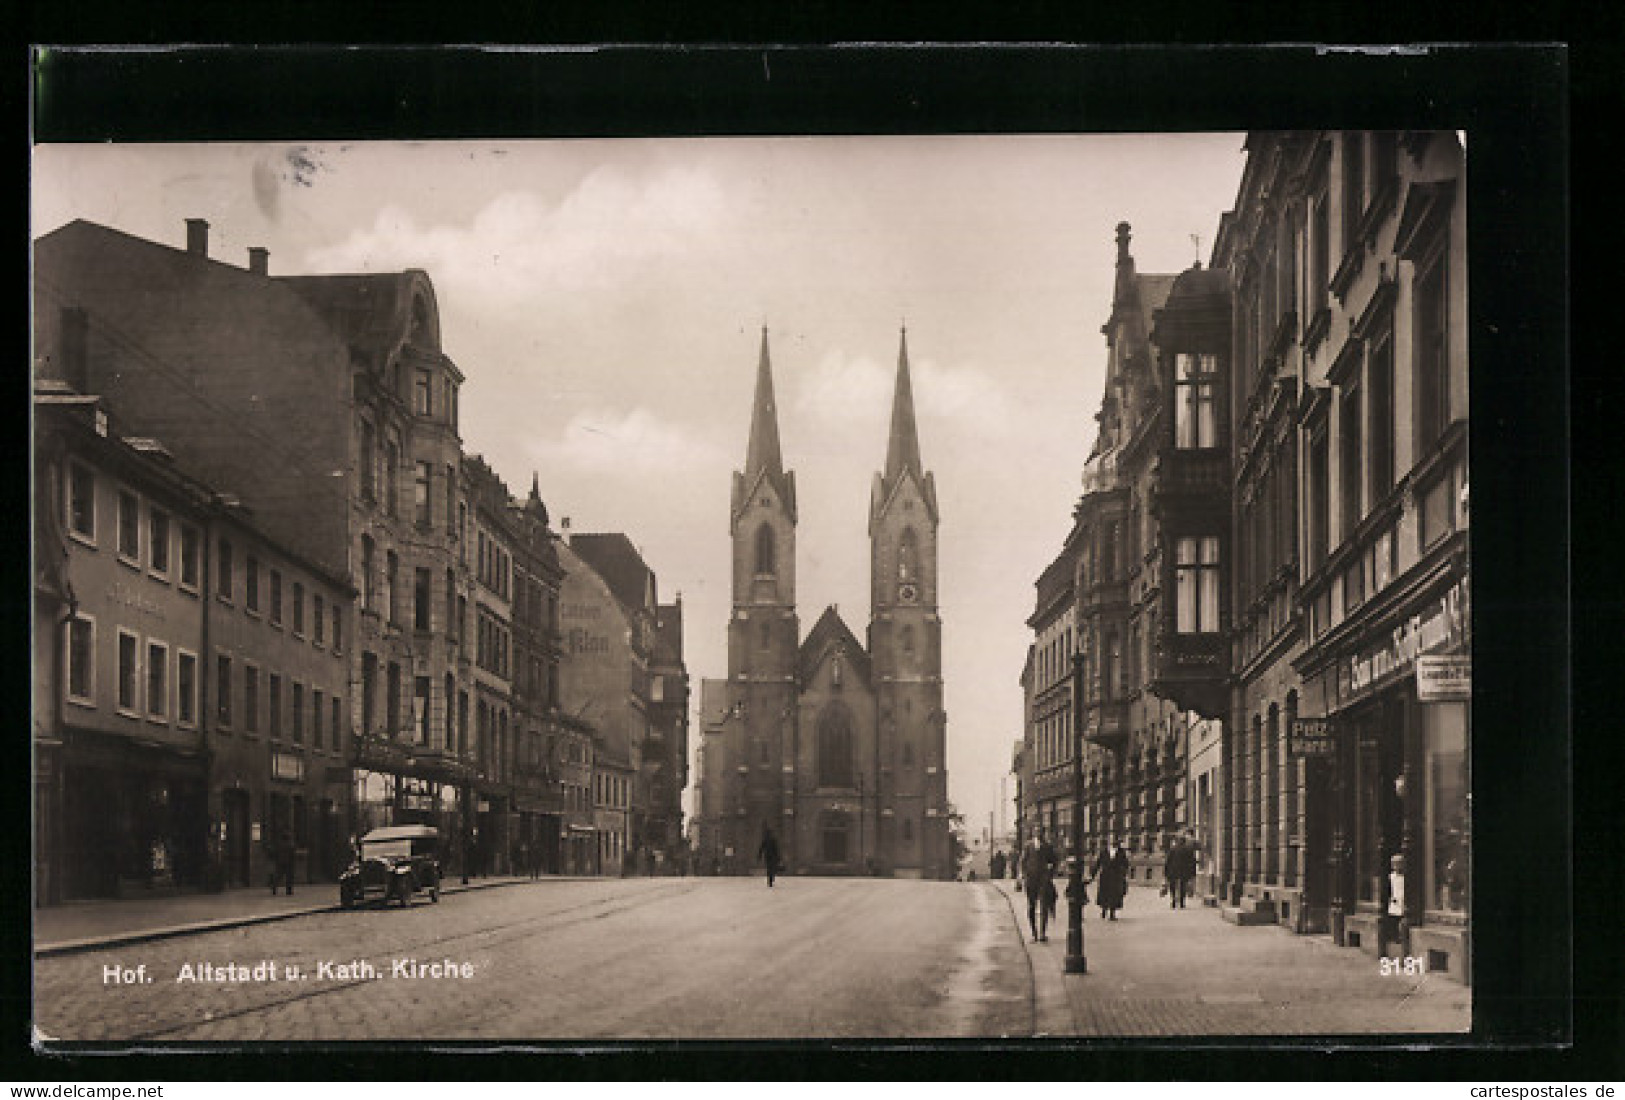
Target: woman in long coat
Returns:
[1111, 878]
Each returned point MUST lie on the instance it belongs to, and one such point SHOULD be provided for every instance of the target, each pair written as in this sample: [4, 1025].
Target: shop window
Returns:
[1447, 863]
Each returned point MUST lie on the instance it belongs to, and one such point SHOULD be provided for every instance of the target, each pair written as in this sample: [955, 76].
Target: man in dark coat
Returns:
[1037, 869]
[769, 853]
[1179, 867]
[995, 865]
[1111, 872]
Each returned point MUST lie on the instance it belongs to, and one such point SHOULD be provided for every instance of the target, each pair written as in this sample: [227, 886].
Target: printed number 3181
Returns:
[1411, 966]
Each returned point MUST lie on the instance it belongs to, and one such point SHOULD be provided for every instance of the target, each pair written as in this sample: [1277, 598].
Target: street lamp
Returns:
[1075, 961]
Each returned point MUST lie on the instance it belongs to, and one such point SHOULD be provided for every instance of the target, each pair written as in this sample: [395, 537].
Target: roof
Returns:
[669, 631]
[762, 454]
[613, 557]
[828, 633]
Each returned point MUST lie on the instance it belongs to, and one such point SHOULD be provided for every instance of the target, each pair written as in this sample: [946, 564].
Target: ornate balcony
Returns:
[1191, 671]
[1109, 725]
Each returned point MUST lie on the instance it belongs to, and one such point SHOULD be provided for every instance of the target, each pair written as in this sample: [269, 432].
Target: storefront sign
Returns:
[1311, 737]
[1444, 679]
[287, 765]
[1440, 623]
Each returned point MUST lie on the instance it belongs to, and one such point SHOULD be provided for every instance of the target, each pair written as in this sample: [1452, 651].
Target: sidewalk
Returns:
[1158, 971]
[87, 925]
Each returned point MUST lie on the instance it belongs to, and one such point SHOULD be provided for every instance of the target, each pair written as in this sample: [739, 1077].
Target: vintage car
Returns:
[393, 864]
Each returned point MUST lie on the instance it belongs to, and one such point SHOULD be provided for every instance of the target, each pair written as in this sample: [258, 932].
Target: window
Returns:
[191, 557]
[1380, 406]
[368, 569]
[274, 690]
[908, 754]
[127, 658]
[392, 569]
[1195, 390]
[316, 718]
[222, 690]
[834, 748]
[451, 716]
[908, 639]
[298, 609]
[369, 683]
[225, 571]
[767, 635]
[318, 618]
[834, 837]
[276, 598]
[422, 513]
[392, 700]
[369, 462]
[1353, 187]
[129, 527]
[420, 599]
[392, 464]
[158, 541]
[1349, 467]
[157, 680]
[337, 726]
[338, 629]
[296, 707]
[462, 723]
[1319, 247]
[186, 688]
[251, 699]
[1319, 492]
[764, 551]
[81, 659]
[420, 708]
[421, 382]
[1196, 585]
[1432, 352]
[251, 583]
[82, 502]
[908, 556]
[452, 619]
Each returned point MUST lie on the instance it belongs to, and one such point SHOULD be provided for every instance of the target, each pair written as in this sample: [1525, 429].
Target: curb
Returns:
[147, 935]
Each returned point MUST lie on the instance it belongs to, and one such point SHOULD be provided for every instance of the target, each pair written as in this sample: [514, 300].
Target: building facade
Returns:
[836, 746]
[1349, 766]
[191, 680]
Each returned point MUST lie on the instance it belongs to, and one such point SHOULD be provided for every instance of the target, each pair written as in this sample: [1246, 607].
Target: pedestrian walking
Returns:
[283, 859]
[1179, 867]
[769, 853]
[1111, 873]
[1037, 880]
[995, 865]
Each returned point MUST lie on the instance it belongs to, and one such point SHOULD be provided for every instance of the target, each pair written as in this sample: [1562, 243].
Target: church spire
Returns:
[763, 451]
[903, 446]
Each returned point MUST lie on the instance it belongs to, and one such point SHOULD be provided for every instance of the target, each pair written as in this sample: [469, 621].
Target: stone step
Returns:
[1247, 913]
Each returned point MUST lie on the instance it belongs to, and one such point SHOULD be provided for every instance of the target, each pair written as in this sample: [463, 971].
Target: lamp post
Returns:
[1075, 961]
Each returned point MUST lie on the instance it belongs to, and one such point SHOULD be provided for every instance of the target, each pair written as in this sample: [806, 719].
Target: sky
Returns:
[605, 300]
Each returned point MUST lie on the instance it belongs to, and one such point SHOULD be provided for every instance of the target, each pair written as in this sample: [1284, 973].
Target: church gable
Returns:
[830, 641]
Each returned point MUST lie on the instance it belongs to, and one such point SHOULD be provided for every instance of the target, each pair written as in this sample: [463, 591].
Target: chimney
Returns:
[197, 236]
[259, 261]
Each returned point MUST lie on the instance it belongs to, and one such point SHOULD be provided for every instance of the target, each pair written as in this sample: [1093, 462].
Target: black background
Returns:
[1537, 1014]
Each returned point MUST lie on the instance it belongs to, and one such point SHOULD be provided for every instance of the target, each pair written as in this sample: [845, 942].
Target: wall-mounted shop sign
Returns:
[1444, 679]
[1311, 737]
[287, 765]
[1442, 622]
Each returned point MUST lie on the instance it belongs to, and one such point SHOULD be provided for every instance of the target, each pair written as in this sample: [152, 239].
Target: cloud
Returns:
[632, 442]
[521, 249]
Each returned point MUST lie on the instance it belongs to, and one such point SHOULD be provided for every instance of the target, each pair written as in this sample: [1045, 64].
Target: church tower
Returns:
[763, 634]
[905, 643]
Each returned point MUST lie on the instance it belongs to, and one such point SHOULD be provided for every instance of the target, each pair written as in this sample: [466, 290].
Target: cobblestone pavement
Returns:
[1158, 971]
[589, 959]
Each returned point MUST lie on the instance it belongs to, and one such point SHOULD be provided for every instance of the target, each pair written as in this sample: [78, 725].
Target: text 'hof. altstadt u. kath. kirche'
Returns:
[835, 746]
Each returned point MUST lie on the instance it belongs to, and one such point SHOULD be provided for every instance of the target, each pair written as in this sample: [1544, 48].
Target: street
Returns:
[728, 958]
[594, 959]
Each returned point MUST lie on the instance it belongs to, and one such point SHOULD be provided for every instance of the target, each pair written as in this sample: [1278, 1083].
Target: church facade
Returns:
[835, 745]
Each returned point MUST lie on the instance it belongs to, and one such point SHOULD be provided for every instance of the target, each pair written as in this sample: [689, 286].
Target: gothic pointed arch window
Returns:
[835, 747]
[764, 551]
[908, 557]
